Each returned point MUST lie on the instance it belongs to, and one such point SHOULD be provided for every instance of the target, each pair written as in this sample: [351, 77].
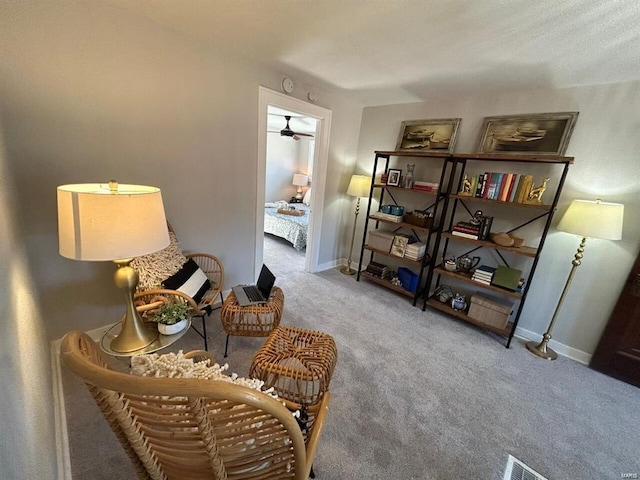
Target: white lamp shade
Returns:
[300, 180]
[359, 186]
[98, 223]
[593, 219]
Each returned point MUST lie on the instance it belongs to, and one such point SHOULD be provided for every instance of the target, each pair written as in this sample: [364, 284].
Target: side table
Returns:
[253, 320]
[159, 343]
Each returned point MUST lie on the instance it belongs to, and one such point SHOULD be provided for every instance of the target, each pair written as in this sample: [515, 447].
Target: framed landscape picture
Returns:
[538, 133]
[428, 135]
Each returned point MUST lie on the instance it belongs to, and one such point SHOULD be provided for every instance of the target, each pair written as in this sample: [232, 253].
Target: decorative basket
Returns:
[413, 219]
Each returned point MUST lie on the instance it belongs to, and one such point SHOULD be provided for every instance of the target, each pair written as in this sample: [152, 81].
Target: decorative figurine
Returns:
[459, 303]
[408, 179]
[466, 186]
[535, 195]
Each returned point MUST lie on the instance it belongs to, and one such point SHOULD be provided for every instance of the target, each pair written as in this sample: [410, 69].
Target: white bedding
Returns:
[290, 227]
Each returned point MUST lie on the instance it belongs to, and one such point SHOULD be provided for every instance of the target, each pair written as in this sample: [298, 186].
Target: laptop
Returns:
[256, 294]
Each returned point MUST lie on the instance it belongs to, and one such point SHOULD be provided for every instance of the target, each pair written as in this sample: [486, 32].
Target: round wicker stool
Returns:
[253, 320]
[297, 363]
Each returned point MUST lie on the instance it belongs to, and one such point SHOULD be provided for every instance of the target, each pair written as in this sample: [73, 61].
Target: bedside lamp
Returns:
[587, 219]
[359, 186]
[300, 180]
[98, 222]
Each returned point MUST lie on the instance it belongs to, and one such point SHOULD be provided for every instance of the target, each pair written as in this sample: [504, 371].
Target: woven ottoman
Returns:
[297, 363]
[252, 320]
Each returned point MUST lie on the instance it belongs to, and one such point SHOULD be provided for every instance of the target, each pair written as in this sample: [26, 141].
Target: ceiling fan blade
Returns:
[287, 132]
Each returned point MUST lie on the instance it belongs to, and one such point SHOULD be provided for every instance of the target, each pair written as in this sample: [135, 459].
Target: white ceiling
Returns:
[397, 51]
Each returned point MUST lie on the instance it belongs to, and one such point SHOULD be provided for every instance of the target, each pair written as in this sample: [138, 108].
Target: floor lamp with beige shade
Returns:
[359, 186]
[111, 222]
[587, 219]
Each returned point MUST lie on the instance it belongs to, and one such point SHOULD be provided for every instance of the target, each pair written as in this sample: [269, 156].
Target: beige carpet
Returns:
[417, 395]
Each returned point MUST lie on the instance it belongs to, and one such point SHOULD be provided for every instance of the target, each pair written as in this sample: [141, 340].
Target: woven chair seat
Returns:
[297, 363]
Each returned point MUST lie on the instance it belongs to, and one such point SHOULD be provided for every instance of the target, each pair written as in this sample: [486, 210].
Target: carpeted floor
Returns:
[415, 395]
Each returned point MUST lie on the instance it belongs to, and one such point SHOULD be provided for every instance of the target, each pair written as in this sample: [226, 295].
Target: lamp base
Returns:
[541, 350]
[347, 270]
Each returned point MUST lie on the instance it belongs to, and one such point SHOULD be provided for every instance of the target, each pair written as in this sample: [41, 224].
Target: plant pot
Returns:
[171, 329]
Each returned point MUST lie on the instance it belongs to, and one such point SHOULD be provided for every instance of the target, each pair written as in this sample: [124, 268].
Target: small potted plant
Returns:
[170, 317]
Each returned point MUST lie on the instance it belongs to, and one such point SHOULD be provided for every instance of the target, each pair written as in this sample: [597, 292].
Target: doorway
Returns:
[322, 117]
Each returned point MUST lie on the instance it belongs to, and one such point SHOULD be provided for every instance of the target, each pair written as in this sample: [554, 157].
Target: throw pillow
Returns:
[307, 198]
[190, 280]
[154, 268]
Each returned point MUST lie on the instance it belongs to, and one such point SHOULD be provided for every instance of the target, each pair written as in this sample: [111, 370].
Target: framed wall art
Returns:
[537, 133]
[425, 135]
[393, 178]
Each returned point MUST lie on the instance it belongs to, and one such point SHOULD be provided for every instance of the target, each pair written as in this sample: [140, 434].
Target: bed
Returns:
[290, 227]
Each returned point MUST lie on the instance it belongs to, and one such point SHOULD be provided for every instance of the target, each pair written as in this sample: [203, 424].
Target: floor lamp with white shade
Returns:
[587, 219]
[359, 186]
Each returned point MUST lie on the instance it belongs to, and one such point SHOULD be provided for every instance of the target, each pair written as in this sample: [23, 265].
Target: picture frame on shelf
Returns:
[393, 177]
[532, 134]
[437, 135]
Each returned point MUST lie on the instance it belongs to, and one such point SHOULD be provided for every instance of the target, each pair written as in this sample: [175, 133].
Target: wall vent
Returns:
[516, 470]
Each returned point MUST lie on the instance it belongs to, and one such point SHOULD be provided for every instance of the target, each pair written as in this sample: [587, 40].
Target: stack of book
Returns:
[378, 270]
[426, 186]
[387, 216]
[475, 231]
[415, 251]
[483, 274]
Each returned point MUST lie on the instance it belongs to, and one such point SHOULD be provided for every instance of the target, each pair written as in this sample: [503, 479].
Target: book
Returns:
[504, 186]
[514, 187]
[460, 228]
[479, 185]
[485, 227]
[465, 235]
[507, 277]
[526, 187]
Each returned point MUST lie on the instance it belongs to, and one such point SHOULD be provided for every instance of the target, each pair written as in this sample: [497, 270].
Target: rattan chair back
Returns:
[176, 428]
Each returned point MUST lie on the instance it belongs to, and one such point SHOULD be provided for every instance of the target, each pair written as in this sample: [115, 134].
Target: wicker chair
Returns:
[214, 271]
[176, 428]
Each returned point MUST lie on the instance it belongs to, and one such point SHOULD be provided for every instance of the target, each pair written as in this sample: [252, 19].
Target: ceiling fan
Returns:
[287, 132]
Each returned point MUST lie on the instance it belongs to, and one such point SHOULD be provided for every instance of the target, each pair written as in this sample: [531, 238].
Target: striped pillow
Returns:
[190, 280]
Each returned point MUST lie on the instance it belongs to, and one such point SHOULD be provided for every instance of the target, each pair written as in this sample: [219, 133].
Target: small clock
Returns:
[287, 85]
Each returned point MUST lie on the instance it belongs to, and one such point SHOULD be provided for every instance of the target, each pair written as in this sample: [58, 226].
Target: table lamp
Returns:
[300, 180]
[359, 186]
[98, 222]
[587, 219]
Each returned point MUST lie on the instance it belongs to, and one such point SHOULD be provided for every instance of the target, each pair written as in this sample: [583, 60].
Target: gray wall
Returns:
[90, 92]
[27, 443]
[605, 144]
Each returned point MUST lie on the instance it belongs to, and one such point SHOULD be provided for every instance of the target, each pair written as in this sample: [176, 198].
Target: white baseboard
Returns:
[559, 348]
[59, 410]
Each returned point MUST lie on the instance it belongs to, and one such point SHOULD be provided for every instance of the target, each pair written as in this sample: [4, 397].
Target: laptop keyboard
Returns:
[253, 293]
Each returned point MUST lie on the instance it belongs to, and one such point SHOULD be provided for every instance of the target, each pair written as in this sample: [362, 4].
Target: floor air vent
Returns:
[516, 470]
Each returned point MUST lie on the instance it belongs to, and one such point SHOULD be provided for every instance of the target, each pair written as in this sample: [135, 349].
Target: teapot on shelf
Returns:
[464, 263]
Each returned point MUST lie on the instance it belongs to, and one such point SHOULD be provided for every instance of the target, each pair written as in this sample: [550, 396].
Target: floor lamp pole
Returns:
[541, 349]
[347, 270]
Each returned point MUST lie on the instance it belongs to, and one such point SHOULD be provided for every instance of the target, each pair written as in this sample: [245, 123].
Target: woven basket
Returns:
[424, 222]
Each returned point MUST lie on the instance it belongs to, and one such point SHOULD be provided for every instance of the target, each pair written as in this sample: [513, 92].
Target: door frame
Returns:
[266, 98]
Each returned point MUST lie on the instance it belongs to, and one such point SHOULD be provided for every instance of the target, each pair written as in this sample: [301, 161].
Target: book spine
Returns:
[479, 186]
[486, 227]
[507, 188]
[465, 235]
[487, 183]
[514, 186]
